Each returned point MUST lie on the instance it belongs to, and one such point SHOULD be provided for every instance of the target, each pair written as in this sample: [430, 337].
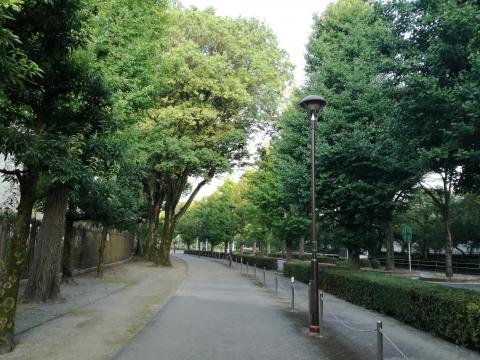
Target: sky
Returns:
[290, 20]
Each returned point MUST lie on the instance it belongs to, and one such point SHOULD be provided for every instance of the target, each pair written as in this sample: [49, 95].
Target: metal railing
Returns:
[458, 266]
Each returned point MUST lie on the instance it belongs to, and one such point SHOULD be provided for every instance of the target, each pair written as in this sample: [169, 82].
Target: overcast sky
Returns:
[290, 20]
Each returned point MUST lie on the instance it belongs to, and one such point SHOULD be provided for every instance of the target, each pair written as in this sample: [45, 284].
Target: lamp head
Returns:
[313, 104]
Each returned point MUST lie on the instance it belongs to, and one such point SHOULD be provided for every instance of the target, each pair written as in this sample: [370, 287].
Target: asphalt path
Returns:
[218, 313]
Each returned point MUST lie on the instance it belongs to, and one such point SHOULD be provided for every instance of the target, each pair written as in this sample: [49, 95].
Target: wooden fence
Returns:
[119, 245]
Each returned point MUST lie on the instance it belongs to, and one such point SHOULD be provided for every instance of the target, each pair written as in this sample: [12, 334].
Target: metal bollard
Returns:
[264, 277]
[379, 341]
[292, 282]
[247, 268]
[320, 313]
[241, 264]
[276, 283]
[255, 271]
[230, 261]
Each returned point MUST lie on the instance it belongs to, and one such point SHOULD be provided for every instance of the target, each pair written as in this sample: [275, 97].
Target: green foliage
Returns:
[258, 261]
[55, 126]
[436, 77]
[217, 88]
[361, 170]
[129, 43]
[426, 220]
[453, 314]
[211, 219]
[15, 66]
[438, 69]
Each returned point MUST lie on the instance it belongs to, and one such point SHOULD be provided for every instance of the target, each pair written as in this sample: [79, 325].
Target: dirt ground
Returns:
[97, 316]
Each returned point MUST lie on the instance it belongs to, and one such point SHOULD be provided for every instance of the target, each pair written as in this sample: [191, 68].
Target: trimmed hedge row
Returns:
[453, 314]
[259, 261]
[214, 254]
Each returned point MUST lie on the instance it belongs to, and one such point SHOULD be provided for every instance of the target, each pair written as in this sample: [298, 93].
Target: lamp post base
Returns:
[313, 329]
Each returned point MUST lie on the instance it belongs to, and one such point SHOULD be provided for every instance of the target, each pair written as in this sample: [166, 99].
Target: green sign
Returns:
[407, 234]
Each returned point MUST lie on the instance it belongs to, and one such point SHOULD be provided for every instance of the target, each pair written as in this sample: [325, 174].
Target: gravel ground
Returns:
[96, 316]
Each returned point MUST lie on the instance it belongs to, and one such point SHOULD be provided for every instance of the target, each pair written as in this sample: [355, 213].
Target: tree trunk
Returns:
[188, 246]
[301, 249]
[167, 235]
[101, 251]
[140, 249]
[254, 248]
[242, 247]
[448, 243]
[288, 250]
[43, 279]
[4, 230]
[390, 247]
[153, 214]
[10, 274]
[269, 249]
[32, 239]
[424, 249]
[354, 259]
[67, 263]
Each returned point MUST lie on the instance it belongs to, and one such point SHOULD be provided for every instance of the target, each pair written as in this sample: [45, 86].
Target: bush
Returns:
[259, 261]
[365, 263]
[341, 262]
[299, 269]
[453, 314]
[326, 260]
[375, 264]
[214, 254]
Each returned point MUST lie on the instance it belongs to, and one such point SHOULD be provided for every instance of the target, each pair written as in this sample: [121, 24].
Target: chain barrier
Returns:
[394, 345]
[281, 286]
[296, 300]
[344, 323]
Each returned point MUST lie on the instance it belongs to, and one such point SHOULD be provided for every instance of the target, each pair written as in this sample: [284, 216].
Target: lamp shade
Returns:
[313, 104]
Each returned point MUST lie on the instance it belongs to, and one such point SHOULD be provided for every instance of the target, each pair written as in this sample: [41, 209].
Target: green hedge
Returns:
[260, 261]
[214, 254]
[453, 314]
[326, 260]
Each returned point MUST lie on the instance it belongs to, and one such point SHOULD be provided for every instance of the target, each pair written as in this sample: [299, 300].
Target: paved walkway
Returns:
[218, 314]
[221, 313]
[345, 326]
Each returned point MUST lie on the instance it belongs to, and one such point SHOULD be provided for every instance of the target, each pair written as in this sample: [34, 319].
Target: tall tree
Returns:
[361, 172]
[229, 73]
[130, 42]
[31, 129]
[436, 70]
[80, 119]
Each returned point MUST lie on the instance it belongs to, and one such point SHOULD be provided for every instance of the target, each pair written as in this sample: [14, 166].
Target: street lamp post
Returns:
[232, 210]
[313, 104]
